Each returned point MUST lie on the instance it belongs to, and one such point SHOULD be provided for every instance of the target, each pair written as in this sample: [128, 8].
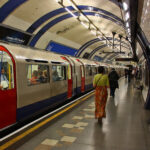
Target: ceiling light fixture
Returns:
[86, 26]
[97, 32]
[59, 1]
[125, 6]
[127, 16]
[71, 13]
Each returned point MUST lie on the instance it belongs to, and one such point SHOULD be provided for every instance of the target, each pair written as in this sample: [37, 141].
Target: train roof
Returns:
[22, 53]
[25, 53]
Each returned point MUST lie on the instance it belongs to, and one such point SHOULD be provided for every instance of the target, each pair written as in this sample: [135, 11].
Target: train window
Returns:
[6, 71]
[94, 70]
[88, 70]
[58, 73]
[37, 74]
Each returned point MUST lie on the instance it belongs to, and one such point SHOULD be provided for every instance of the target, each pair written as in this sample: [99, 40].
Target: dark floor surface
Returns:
[124, 128]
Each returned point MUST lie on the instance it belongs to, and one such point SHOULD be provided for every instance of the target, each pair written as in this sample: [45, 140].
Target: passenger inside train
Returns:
[58, 73]
[37, 74]
[6, 72]
[34, 79]
[4, 81]
[41, 78]
[45, 75]
[55, 75]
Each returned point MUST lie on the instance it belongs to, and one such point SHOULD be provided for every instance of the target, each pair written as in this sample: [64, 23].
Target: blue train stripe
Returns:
[31, 109]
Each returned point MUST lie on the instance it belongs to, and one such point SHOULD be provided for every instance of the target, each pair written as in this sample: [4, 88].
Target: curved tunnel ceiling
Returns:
[48, 21]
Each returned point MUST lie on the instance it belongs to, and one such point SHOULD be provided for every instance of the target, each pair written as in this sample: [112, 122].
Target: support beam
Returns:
[132, 13]
[120, 36]
[112, 52]
[125, 59]
[144, 43]
[113, 33]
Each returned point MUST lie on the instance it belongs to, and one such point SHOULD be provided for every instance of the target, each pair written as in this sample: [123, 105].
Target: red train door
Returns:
[82, 79]
[70, 81]
[8, 96]
[82, 76]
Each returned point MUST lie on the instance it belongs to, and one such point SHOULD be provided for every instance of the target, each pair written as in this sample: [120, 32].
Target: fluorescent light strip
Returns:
[125, 6]
[99, 37]
[93, 26]
[127, 16]
[86, 26]
[86, 18]
[71, 13]
[73, 5]
[58, 1]
[93, 32]
[127, 24]
[76, 8]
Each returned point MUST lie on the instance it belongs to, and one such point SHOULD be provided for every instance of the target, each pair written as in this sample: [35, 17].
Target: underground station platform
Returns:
[126, 126]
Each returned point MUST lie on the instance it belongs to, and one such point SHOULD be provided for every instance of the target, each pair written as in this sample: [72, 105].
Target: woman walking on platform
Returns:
[100, 83]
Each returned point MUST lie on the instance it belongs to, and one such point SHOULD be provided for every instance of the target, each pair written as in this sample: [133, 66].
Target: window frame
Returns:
[89, 70]
[39, 83]
[6, 68]
[65, 71]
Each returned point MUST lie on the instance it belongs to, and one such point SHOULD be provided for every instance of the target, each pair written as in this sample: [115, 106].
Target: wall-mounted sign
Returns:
[60, 48]
[13, 35]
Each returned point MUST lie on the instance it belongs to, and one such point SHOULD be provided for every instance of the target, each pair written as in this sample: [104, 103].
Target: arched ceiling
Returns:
[62, 22]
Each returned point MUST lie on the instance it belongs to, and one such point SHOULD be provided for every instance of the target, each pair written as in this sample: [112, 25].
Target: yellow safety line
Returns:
[19, 137]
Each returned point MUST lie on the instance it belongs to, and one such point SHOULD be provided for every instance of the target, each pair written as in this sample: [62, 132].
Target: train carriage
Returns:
[27, 94]
[38, 80]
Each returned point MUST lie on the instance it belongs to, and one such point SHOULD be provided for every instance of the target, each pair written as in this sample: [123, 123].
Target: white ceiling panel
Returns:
[69, 30]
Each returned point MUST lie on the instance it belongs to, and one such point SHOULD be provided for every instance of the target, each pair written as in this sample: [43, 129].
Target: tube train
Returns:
[37, 80]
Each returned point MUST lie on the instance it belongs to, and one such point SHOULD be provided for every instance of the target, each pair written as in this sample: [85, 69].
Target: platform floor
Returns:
[125, 126]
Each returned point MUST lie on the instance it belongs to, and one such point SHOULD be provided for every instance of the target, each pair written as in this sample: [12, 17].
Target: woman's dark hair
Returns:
[101, 69]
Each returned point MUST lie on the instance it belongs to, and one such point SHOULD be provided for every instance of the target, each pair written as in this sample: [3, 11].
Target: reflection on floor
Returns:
[125, 126]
